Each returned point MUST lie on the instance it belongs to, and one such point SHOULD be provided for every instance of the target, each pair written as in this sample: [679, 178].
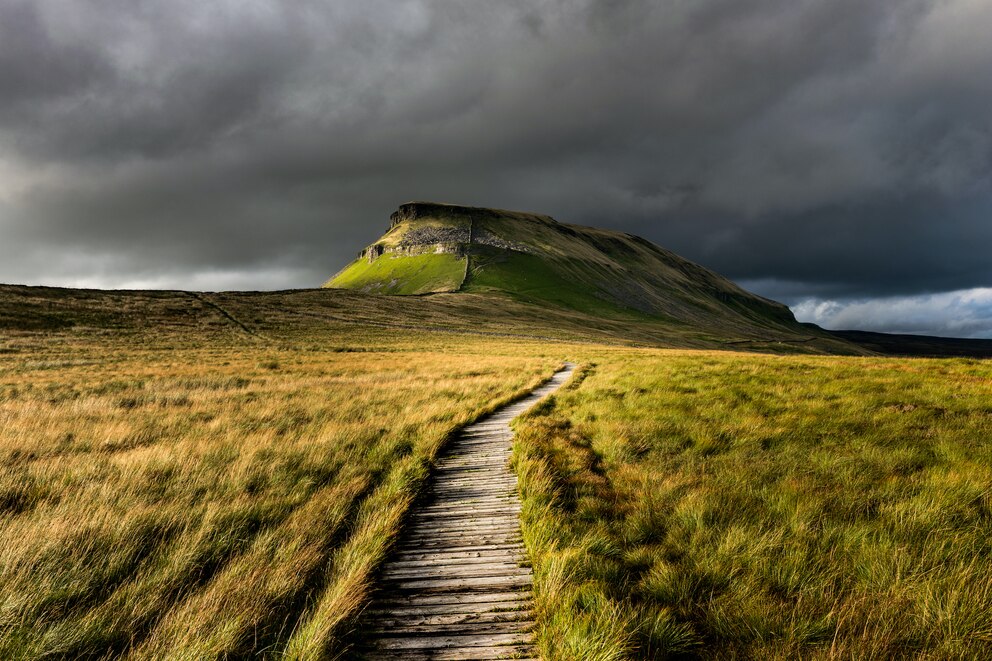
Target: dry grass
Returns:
[207, 488]
[219, 500]
[707, 505]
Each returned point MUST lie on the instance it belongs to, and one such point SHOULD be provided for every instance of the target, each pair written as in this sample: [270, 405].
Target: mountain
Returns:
[467, 271]
[435, 248]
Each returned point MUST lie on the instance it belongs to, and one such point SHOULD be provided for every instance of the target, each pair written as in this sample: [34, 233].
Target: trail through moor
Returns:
[458, 586]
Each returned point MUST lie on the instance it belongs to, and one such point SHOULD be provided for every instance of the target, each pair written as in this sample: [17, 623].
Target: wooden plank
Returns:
[465, 522]
[443, 558]
[441, 642]
[465, 627]
[437, 532]
[448, 561]
[459, 541]
[435, 538]
[471, 477]
[465, 519]
[471, 509]
[457, 654]
[410, 600]
[470, 548]
[395, 621]
[454, 610]
[457, 571]
[472, 584]
[476, 486]
[508, 524]
[507, 506]
[481, 564]
[469, 513]
[471, 497]
[473, 536]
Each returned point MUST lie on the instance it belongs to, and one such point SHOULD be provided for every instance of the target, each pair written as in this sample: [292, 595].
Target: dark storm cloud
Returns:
[833, 151]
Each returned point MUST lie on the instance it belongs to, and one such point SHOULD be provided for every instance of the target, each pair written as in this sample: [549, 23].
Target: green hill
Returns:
[450, 269]
[436, 248]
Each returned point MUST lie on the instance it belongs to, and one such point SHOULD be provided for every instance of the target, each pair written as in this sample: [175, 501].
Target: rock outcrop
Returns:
[420, 236]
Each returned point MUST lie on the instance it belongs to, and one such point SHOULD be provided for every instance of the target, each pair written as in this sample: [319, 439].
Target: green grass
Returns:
[533, 279]
[403, 274]
[727, 506]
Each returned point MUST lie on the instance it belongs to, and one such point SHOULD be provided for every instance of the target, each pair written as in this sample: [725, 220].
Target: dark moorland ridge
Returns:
[892, 344]
[477, 271]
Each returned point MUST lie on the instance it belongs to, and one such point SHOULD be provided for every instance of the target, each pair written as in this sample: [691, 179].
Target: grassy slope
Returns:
[406, 274]
[630, 274]
[532, 279]
[719, 505]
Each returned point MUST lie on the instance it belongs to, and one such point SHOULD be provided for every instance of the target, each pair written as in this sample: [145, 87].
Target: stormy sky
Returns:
[835, 155]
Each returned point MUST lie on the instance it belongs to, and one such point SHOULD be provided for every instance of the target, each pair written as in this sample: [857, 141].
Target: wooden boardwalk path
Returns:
[458, 586]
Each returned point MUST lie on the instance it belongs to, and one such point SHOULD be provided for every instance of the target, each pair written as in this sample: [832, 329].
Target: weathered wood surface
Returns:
[458, 585]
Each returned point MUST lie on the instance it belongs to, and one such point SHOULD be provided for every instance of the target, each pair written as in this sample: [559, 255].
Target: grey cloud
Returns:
[841, 148]
[952, 314]
[35, 67]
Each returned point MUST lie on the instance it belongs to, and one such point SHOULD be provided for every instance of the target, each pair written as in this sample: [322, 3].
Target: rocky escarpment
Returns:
[372, 252]
[485, 238]
[431, 235]
[440, 228]
[450, 213]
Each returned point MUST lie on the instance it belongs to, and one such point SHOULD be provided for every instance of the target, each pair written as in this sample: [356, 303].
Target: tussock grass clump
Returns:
[684, 505]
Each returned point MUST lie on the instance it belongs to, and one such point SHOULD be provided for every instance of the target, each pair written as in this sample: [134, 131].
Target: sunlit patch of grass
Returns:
[735, 506]
[217, 500]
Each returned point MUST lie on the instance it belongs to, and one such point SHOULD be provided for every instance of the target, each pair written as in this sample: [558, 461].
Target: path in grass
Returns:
[458, 586]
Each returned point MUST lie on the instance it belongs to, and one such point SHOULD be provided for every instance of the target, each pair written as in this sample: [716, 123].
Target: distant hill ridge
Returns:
[470, 271]
[437, 248]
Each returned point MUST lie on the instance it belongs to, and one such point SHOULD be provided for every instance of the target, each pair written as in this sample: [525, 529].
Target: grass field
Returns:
[717, 505]
[218, 501]
[210, 476]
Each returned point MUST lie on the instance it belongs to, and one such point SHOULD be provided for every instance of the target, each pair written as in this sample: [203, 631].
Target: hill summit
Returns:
[437, 248]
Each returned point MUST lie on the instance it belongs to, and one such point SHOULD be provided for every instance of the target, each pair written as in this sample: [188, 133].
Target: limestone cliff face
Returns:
[432, 234]
[452, 213]
[372, 252]
[431, 227]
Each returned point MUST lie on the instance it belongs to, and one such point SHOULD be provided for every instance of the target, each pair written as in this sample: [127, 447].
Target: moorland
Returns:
[220, 475]
[190, 480]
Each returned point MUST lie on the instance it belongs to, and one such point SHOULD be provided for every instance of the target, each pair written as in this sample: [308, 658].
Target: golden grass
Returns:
[204, 494]
[216, 500]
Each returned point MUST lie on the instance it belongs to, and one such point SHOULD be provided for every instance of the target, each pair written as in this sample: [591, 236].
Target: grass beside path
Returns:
[716, 505]
[220, 500]
[195, 491]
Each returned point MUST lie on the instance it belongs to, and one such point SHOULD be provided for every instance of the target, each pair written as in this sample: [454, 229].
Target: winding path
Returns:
[458, 586]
